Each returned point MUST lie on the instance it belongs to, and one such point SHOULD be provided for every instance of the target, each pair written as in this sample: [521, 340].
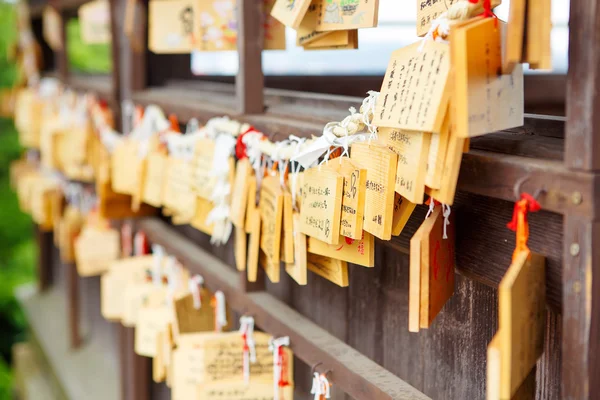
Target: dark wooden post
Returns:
[115, 42]
[60, 56]
[581, 252]
[73, 304]
[45, 258]
[249, 83]
[135, 369]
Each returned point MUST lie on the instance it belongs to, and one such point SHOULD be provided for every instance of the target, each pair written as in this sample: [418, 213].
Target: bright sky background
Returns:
[397, 19]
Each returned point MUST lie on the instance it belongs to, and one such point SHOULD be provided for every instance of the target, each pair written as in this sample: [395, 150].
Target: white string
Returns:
[274, 345]
[220, 311]
[431, 207]
[172, 278]
[316, 386]
[157, 256]
[325, 386]
[195, 284]
[247, 328]
[446, 212]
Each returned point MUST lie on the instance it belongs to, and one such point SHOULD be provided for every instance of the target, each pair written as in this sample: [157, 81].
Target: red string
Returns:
[527, 204]
[240, 146]
[283, 370]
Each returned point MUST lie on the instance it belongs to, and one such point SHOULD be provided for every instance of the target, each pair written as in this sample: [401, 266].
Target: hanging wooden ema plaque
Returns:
[347, 14]
[298, 266]
[322, 190]
[483, 100]
[253, 228]
[414, 95]
[353, 199]
[271, 214]
[171, 26]
[290, 13]
[431, 281]
[412, 149]
[522, 309]
[380, 163]
[332, 269]
[429, 10]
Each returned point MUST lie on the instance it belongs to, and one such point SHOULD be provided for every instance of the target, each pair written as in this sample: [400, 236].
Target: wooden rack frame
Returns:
[562, 157]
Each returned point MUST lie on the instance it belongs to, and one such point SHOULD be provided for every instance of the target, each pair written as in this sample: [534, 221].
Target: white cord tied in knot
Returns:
[220, 312]
[195, 284]
[320, 386]
[431, 207]
[249, 350]
[274, 345]
[446, 212]
[157, 256]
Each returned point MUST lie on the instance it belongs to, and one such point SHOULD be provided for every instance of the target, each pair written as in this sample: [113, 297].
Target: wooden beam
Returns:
[583, 87]
[351, 372]
[485, 173]
[249, 83]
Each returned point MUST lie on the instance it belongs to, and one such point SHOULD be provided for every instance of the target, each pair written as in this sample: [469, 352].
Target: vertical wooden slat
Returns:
[581, 309]
[73, 304]
[116, 58]
[249, 83]
[582, 136]
[62, 61]
[45, 244]
[138, 45]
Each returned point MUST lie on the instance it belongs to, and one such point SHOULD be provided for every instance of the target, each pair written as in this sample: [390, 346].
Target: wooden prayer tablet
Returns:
[95, 249]
[271, 267]
[331, 39]
[322, 192]
[414, 282]
[415, 89]
[437, 154]
[253, 227]
[522, 315]
[329, 268]
[353, 200]
[290, 13]
[494, 364]
[307, 31]
[217, 27]
[158, 363]
[95, 30]
[513, 51]
[484, 101]
[251, 204]
[239, 192]
[187, 319]
[154, 183]
[450, 172]
[171, 26]
[347, 14]
[150, 321]
[297, 269]
[123, 177]
[538, 47]
[287, 229]
[178, 195]
[200, 218]
[380, 163]
[437, 268]
[52, 28]
[403, 209]
[240, 248]
[412, 149]
[361, 251]
[240, 390]
[203, 181]
[271, 214]
[348, 40]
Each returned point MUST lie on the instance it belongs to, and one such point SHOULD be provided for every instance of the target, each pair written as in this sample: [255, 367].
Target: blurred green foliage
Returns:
[17, 249]
[93, 58]
[8, 36]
